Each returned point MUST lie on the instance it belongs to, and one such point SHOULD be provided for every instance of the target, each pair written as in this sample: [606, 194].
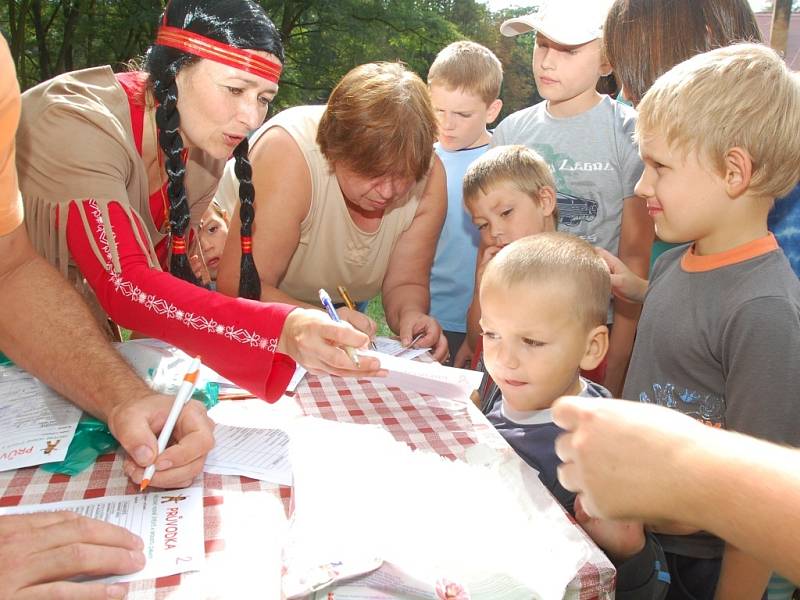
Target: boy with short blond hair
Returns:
[545, 301]
[586, 138]
[464, 83]
[719, 335]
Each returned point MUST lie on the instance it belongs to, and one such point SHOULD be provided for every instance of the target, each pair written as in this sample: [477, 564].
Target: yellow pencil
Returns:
[346, 297]
[352, 306]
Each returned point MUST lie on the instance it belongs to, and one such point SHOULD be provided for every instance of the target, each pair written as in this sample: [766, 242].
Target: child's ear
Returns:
[547, 200]
[738, 171]
[596, 348]
[493, 110]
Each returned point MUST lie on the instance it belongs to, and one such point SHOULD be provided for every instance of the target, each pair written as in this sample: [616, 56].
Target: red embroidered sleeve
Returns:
[236, 337]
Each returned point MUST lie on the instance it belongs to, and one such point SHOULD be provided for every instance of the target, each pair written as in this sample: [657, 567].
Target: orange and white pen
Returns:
[181, 399]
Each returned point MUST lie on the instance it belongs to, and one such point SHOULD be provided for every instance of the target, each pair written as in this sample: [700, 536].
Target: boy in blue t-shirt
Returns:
[464, 82]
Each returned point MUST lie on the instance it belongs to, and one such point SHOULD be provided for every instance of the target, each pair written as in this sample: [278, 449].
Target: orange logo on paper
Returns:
[175, 499]
[51, 446]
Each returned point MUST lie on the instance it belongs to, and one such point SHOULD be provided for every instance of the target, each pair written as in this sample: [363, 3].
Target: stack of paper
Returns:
[426, 377]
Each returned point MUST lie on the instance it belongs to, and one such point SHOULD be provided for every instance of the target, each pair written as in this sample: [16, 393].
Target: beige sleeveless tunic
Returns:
[332, 250]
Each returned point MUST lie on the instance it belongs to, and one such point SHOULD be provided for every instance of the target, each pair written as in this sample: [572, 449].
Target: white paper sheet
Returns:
[393, 347]
[368, 498]
[169, 522]
[36, 423]
[426, 378]
[258, 453]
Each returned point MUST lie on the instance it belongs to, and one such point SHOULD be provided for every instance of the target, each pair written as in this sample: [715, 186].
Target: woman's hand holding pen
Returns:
[136, 424]
[313, 340]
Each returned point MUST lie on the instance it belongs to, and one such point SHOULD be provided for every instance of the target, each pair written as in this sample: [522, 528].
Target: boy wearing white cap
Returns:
[586, 138]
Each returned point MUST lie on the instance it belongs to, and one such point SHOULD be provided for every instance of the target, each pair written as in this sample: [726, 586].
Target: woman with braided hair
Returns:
[116, 170]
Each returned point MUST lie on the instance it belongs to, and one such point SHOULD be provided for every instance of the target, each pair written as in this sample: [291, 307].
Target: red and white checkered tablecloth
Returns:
[446, 427]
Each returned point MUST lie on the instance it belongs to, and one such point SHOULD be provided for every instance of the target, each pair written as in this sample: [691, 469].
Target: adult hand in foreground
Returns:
[137, 422]
[602, 437]
[41, 553]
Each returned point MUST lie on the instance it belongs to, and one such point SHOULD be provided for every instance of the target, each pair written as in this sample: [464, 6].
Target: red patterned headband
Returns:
[217, 51]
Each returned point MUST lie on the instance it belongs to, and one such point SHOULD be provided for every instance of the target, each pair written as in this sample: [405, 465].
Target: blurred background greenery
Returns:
[323, 39]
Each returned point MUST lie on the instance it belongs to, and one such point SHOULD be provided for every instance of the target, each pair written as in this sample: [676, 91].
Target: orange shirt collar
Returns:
[692, 263]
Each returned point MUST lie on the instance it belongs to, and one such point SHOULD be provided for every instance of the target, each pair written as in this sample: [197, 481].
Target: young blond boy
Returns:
[586, 138]
[719, 335]
[464, 82]
[545, 301]
[509, 193]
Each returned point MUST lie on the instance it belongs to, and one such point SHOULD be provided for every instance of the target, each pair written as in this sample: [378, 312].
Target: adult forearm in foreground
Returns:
[748, 493]
[46, 328]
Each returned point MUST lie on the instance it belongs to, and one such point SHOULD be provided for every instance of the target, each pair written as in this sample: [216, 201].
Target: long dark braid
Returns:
[238, 23]
[249, 281]
[168, 120]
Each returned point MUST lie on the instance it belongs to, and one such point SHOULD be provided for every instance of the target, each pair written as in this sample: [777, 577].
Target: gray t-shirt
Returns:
[594, 161]
[719, 339]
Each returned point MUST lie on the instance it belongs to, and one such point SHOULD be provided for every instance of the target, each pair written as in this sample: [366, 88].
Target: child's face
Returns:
[507, 214]
[566, 76]
[532, 343]
[462, 117]
[685, 197]
[211, 236]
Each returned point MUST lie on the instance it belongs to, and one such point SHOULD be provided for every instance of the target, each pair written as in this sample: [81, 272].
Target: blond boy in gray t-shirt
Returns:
[719, 335]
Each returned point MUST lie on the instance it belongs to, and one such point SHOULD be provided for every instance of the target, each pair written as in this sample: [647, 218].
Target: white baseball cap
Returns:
[567, 22]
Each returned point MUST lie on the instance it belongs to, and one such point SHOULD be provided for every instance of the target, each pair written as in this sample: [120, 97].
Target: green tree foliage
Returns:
[323, 39]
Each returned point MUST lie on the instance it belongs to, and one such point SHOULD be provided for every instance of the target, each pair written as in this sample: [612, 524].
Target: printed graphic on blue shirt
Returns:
[707, 408]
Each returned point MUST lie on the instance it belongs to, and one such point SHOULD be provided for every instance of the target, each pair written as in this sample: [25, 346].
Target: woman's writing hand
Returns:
[312, 339]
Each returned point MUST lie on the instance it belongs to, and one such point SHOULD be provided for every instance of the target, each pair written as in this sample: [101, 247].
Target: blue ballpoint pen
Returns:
[328, 304]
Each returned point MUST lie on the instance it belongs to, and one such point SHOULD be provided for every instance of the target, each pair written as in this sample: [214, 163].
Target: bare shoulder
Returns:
[280, 173]
[434, 196]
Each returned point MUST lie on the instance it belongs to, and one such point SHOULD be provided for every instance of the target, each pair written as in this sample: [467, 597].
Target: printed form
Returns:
[169, 522]
[36, 423]
[258, 453]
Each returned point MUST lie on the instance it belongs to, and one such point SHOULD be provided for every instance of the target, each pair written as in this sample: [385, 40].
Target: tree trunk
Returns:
[41, 40]
[71, 14]
[779, 34]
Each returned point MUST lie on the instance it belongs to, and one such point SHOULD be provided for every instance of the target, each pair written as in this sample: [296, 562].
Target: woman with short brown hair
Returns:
[350, 194]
